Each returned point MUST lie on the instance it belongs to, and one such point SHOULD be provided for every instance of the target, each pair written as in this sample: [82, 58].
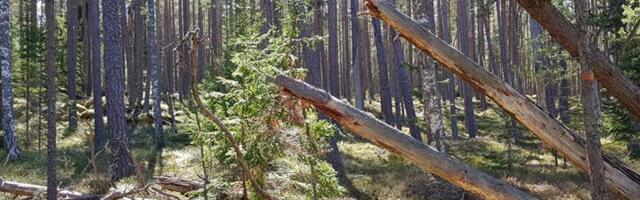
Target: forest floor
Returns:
[375, 173]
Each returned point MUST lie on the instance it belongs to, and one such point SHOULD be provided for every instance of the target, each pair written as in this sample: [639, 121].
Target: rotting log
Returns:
[387, 137]
[621, 179]
[565, 33]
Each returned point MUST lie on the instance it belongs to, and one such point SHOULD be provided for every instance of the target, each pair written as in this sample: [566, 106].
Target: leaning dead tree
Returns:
[563, 31]
[387, 137]
[621, 179]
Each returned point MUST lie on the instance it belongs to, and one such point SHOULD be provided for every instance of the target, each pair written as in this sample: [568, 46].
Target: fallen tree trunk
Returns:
[621, 179]
[389, 138]
[23, 189]
[563, 31]
[167, 183]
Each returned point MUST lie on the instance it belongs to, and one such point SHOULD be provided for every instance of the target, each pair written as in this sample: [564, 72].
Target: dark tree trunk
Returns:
[445, 35]
[357, 65]
[128, 36]
[201, 54]
[467, 91]
[135, 76]
[216, 34]
[184, 75]
[345, 76]
[10, 139]
[96, 80]
[314, 78]
[318, 23]
[268, 13]
[52, 180]
[565, 92]
[86, 39]
[334, 68]
[121, 161]
[385, 91]
[72, 55]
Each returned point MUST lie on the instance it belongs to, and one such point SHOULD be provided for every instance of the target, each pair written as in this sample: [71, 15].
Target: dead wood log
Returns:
[387, 137]
[563, 31]
[173, 184]
[24, 189]
[621, 179]
[176, 184]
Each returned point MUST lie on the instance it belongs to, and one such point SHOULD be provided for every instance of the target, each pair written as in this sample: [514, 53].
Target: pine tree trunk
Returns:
[96, 78]
[201, 54]
[591, 106]
[121, 161]
[357, 64]
[317, 26]
[155, 73]
[445, 34]
[334, 68]
[72, 55]
[345, 69]
[135, 76]
[431, 98]
[404, 86]
[385, 91]
[52, 181]
[314, 77]
[467, 91]
[10, 139]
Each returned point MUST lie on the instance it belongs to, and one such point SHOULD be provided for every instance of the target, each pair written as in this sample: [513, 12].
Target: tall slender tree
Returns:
[467, 91]
[357, 65]
[135, 75]
[121, 161]
[445, 34]
[430, 94]
[52, 180]
[591, 106]
[96, 78]
[154, 65]
[334, 68]
[318, 30]
[403, 85]
[10, 139]
[72, 55]
[383, 66]
[345, 68]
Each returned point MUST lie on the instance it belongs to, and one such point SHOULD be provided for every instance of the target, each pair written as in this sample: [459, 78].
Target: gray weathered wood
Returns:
[387, 137]
[621, 179]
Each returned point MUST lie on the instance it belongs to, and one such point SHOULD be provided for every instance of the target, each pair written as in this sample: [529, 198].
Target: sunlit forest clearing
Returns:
[320, 99]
